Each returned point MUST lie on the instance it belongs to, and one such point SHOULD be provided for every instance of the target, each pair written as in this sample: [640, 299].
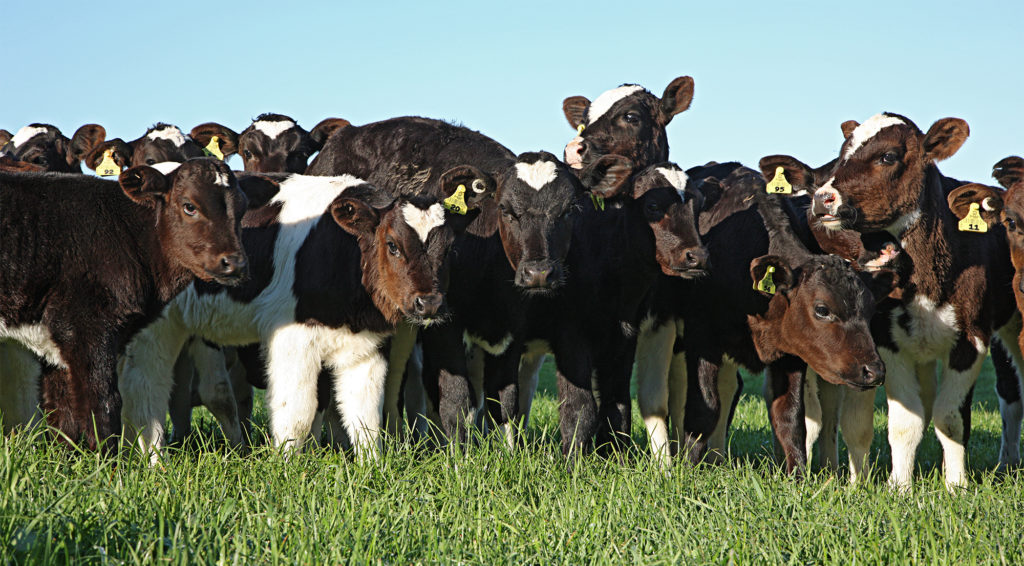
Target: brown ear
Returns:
[848, 127]
[1009, 171]
[85, 139]
[989, 201]
[799, 174]
[258, 189]
[574, 108]
[145, 185]
[355, 216]
[945, 137]
[782, 276]
[122, 154]
[325, 128]
[677, 97]
[606, 177]
[880, 282]
[479, 185]
[227, 139]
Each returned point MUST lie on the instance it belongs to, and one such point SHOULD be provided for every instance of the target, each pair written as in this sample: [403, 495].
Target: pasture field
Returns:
[489, 506]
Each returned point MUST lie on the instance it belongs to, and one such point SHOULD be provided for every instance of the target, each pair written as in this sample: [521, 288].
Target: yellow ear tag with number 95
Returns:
[766, 283]
[107, 167]
[457, 202]
[213, 148]
[973, 222]
[779, 185]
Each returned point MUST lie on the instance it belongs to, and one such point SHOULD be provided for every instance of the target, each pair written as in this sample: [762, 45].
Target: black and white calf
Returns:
[45, 146]
[336, 263]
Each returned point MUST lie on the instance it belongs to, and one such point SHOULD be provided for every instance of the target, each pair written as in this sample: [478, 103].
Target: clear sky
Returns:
[771, 77]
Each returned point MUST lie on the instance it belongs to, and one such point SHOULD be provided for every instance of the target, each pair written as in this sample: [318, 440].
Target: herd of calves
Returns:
[421, 266]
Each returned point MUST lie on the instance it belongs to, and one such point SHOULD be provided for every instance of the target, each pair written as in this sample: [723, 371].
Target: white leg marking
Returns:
[653, 360]
[215, 389]
[359, 386]
[949, 424]
[678, 383]
[812, 413]
[906, 417]
[293, 363]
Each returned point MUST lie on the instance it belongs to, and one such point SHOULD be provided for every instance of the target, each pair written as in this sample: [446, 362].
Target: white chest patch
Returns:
[675, 177]
[536, 174]
[933, 329]
[423, 221]
[494, 349]
[166, 167]
[273, 129]
[864, 132]
[603, 103]
[37, 338]
[25, 134]
[171, 134]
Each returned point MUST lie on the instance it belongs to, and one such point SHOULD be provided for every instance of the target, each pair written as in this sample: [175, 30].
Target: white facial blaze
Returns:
[676, 178]
[25, 134]
[166, 167]
[603, 103]
[423, 221]
[220, 179]
[273, 129]
[536, 174]
[864, 132]
[170, 133]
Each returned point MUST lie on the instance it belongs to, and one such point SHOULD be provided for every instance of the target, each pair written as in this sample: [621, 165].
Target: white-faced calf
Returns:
[44, 146]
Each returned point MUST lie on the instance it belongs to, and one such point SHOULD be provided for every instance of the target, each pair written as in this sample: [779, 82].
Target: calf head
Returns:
[996, 206]
[878, 181]
[199, 208]
[404, 247]
[628, 121]
[275, 143]
[45, 146]
[820, 311]
[537, 198]
[161, 144]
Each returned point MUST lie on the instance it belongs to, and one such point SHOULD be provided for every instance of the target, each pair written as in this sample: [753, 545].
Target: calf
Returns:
[44, 146]
[336, 263]
[956, 291]
[274, 143]
[74, 300]
[161, 143]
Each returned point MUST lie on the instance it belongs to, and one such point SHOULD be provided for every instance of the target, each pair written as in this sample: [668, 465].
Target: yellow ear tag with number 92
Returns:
[213, 148]
[107, 167]
[779, 185]
[766, 283]
[457, 202]
[973, 222]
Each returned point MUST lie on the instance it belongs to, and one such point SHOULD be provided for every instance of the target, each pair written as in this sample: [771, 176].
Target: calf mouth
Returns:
[226, 280]
[688, 272]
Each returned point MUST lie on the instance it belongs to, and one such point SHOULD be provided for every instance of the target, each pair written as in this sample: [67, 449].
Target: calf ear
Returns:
[5, 137]
[258, 189]
[988, 199]
[1008, 171]
[945, 137]
[781, 275]
[355, 216]
[477, 187]
[325, 128]
[797, 172]
[85, 139]
[227, 139]
[711, 189]
[880, 282]
[607, 176]
[848, 127]
[677, 97]
[121, 153]
[574, 109]
[144, 185]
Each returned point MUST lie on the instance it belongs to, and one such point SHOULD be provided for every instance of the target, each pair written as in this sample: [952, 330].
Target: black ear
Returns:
[227, 139]
[325, 128]
[85, 139]
[880, 282]
[355, 216]
[607, 176]
[711, 188]
[145, 185]
[988, 199]
[945, 137]
[677, 98]
[120, 154]
[465, 186]
[258, 189]
[1009, 171]
[781, 275]
[796, 172]
[574, 109]
[848, 127]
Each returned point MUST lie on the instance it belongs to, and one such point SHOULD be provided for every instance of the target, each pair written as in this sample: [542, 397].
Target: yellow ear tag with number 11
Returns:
[779, 185]
[457, 202]
[766, 284]
[107, 167]
[973, 222]
[213, 148]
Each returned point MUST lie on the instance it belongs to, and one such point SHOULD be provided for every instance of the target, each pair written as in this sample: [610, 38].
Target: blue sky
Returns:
[771, 77]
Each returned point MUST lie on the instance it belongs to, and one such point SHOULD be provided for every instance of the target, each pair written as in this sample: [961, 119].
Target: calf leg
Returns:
[19, 385]
[831, 397]
[215, 389]
[293, 367]
[906, 417]
[359, 386]
[786, 411]
[529, 377]
[1006, 354]
[402, 343]
[577, 410]
[812, 416]
[446, 379]
[856, 417]
[728, 388]
[654, 352]
[415, 395]
[181, 397]
[953, 430]
[501, 382]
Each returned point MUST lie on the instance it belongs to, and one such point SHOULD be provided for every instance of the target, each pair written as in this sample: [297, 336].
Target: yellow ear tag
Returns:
[580, 128]
[107, 167]
[766, 283]
[973, 222]
[779, 185]
[213, 148]
[457, 202]
[598, 201]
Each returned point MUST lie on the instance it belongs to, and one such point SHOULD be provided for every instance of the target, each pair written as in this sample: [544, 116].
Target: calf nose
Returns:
[427, 305]
[695, 258]
[873, 373]
[537, 275]
[232, 265]
[825, 201]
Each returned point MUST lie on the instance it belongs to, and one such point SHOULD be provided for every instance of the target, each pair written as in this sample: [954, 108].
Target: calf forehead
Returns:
[206, 181]
[27, 133]
[602, 104]
[422, 221]
[169, 133]
[273, 128]
[841, 284]
[538, 174]
[870, 129]
[674, 177]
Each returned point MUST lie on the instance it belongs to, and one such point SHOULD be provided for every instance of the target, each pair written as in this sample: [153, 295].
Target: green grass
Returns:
[490, 506]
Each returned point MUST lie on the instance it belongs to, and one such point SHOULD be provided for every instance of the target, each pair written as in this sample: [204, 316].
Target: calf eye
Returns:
[39, 160]
[632, 117]
[1010, 224]
[150, 161]
[393, 249]
[822, 312]
[246, 154]
[190, 209]
[890, 157]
